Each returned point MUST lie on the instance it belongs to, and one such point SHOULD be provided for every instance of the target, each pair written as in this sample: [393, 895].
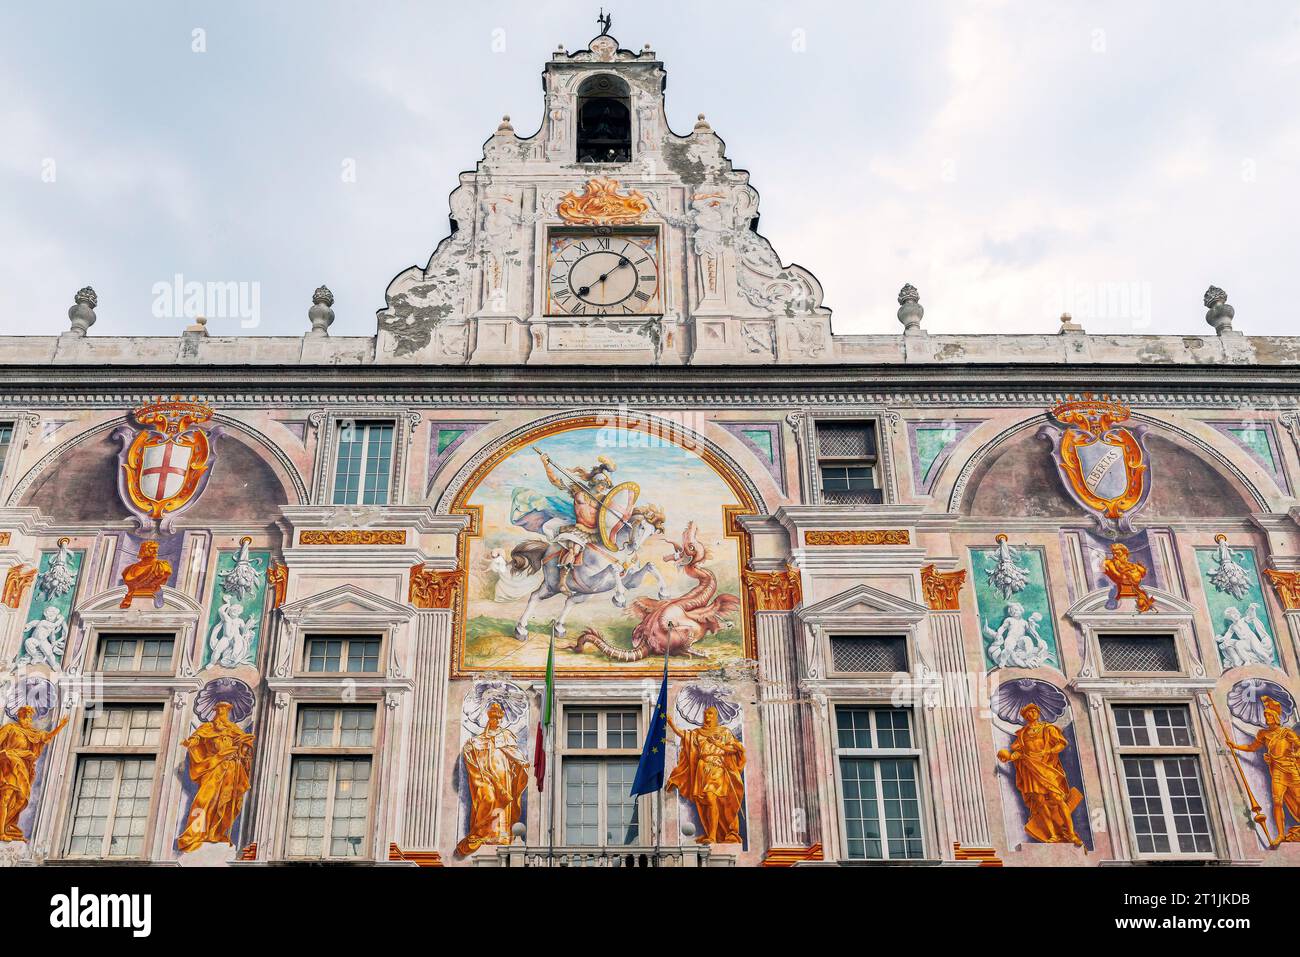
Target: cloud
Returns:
[1011, 159]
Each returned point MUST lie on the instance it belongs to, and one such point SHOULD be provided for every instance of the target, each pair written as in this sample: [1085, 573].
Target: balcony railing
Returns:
[517, 855]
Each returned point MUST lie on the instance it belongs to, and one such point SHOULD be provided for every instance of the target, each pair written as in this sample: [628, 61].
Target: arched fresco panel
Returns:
[616, 537]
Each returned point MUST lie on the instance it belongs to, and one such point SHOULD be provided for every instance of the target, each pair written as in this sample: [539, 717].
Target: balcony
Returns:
[518, 855]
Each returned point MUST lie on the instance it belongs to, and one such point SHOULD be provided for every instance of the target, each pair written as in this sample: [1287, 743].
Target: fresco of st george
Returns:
[619, 541]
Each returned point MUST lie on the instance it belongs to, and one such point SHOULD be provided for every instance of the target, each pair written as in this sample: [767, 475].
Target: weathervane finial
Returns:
[604, 19]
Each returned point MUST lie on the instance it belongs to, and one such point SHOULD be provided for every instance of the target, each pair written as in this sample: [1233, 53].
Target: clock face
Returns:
[603, 274]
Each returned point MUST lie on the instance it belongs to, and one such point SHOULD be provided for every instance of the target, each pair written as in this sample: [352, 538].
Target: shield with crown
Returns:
[1103, 463]
[165, 465]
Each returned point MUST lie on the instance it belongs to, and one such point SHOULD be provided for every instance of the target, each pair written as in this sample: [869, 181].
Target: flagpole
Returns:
[550, 821]
[659, 795]
[550, 760]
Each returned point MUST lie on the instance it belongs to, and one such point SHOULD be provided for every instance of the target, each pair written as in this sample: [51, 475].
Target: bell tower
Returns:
[604, 237]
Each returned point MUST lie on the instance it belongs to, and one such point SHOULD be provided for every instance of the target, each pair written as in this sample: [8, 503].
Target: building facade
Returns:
[920, 598]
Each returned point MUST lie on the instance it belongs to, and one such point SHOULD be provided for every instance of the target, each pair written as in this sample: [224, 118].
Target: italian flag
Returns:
[539, 752]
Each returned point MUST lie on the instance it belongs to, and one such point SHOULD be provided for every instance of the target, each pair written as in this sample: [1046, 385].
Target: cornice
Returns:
[1186, 388]
[911, 378]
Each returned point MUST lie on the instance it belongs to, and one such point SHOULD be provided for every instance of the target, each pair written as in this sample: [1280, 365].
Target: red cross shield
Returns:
[166, 464]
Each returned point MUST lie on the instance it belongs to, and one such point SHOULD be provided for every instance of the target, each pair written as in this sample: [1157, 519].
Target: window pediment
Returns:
[343, 604]
[1169, 608]
[861, 604]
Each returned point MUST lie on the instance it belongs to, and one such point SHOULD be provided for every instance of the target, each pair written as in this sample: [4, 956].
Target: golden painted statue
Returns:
[1127, 576]
[1281, 747]
[498, 775]
[708, 775]
[146, 577]
[1041, 780]
[21, 743]
[221, 754]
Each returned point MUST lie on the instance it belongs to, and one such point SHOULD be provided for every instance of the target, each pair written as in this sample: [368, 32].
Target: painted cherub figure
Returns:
[1016, 643]
[45, 637]
[232, 637]
[1245, 642]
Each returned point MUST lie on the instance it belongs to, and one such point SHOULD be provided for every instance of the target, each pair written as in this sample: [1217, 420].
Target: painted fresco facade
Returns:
[922, 598]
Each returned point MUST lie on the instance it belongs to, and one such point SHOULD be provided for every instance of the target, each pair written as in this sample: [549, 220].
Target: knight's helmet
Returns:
[599, 475]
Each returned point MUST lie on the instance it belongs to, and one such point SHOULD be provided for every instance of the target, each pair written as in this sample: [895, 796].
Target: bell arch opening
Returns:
[604, 120]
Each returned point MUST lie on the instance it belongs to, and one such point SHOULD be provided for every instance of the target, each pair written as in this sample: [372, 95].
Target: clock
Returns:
[605, 271]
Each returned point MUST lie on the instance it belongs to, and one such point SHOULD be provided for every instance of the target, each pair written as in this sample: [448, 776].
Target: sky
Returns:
[1011, 160]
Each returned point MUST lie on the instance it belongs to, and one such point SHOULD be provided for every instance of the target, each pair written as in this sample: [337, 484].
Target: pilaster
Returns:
[962, 785]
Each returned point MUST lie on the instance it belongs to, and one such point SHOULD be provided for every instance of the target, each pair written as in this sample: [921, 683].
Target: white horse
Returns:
[599, 571]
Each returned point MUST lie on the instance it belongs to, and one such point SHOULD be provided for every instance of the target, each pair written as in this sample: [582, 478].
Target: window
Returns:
[879, 779]
[345, 653]
[604, 121]
[6, 440]
[1149, 653]
[846, 460]
[1162, 778]
[601, 751]
[869, 653]
[364, 464]
[329, 787]
[136, 652]
[116, 761]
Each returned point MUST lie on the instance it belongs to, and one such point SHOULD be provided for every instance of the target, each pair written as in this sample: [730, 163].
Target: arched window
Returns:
[604, 121]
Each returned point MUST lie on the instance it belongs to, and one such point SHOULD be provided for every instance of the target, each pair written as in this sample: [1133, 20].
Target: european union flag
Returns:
[650, 772]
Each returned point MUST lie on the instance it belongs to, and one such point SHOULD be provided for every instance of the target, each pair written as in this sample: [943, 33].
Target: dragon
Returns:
[673, 625]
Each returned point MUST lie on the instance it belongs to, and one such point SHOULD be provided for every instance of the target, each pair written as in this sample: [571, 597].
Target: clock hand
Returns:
[623, 261]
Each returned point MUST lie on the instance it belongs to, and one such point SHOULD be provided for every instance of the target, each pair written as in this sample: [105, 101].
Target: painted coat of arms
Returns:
[165, 464]
[1103, 463]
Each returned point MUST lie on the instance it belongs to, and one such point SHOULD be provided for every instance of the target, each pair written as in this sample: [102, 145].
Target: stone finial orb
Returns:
[1068, 324]
[321, 312]
[82, 311]
[1218, 313]
[702, 125]
[504, 128]
[910, 310]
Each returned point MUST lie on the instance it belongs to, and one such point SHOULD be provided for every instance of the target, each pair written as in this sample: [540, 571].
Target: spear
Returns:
[570, 476]
[1255, 809]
